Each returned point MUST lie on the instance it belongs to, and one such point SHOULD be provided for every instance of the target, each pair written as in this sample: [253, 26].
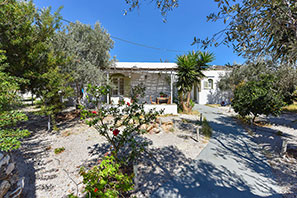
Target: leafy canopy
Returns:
[257, 97]
[189, 72]
[285, 77]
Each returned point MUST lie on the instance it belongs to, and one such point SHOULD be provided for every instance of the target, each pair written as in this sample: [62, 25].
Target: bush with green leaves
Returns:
[107, 179]
[122, 125]
[9, 117]
[206, 129]
[257, 97]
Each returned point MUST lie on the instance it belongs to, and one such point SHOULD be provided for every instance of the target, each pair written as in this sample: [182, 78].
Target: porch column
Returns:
[171, 87]
[107, 78]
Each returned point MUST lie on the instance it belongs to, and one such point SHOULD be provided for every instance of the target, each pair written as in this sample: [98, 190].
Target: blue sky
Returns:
[145, 26]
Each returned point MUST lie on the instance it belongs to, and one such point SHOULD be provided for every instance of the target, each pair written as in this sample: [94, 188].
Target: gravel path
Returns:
[50, 175]
[231, 165]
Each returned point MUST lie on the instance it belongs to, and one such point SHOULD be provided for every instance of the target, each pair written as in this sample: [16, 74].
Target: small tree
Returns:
[55, 88]
[285, 81]
[189, 72]
[87, 50]
[257, 97]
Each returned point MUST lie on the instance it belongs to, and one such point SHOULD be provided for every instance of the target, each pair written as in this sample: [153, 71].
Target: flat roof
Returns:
[154, 66]
[145, 65]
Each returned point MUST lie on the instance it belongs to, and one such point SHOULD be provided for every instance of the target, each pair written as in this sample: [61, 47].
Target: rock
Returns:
[10, 168]
[5, 160]
[17, 192]
[143, 127]
[4, 187]
[1, 156]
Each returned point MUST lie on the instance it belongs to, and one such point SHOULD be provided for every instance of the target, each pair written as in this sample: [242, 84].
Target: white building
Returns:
[159, 79]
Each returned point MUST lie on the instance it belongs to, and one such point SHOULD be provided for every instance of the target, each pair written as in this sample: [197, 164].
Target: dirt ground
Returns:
[56, 175]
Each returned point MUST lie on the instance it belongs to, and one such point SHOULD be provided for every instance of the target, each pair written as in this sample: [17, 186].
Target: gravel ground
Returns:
[50, 175]
[267, 134]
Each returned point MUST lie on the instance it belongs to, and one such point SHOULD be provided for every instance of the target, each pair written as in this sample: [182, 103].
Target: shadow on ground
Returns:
[168, 171]
[29, 158]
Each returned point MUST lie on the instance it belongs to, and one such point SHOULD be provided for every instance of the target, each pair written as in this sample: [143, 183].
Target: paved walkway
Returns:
[231, 165]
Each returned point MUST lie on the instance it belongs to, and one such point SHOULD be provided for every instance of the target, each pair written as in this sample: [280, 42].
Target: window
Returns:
[118, 89]
[208, 84]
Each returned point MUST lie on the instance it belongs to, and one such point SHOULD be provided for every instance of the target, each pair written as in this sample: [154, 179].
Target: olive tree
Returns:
[87, 50]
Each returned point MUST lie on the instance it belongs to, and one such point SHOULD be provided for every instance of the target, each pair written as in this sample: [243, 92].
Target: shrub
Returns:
[122, 132]
[206, 129]
[107, 179]
[59, 150]
[257, 97]
[10, 136]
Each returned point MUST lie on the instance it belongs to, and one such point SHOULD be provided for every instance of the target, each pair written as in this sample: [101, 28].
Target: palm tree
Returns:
[189, 73]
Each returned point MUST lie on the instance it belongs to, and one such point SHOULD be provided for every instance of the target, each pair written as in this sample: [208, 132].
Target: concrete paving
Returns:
[231, 165]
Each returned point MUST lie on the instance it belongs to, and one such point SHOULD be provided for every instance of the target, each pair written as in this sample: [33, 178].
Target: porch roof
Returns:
[144, 66]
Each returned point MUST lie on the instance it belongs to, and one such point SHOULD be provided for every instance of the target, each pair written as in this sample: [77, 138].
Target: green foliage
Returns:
[189, 72]
[9, 100]
[163, 5]
[59, 150]
[96, 93]
[257, 28]
[122, 131]
[206, 130]
[107, 180]
[257, 97]
[55, 88]
[87, 50]
[25, 33]
[285, 81]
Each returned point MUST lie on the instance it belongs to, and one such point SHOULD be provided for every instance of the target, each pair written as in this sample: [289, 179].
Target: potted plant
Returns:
[163, 95]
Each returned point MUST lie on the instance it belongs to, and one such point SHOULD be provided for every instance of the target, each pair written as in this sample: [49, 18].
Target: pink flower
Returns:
[116, 132]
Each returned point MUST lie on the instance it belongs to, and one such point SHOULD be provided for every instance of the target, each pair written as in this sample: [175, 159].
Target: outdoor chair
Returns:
[169, 100]
[152, 102]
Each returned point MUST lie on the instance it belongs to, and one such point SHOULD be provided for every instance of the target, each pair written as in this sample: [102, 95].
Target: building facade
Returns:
[160, 79]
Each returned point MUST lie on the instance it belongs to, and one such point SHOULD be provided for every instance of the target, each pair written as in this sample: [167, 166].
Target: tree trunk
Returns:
[78, 94]
[186, 106]
[49, 123]
[32, 97]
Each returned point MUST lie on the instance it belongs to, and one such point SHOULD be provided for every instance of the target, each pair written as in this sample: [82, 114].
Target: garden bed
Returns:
[48, 174]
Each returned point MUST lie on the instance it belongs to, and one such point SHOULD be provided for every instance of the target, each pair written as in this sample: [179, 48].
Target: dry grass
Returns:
[166, 115]
[193, 112]
[213, 105]
[291, 108]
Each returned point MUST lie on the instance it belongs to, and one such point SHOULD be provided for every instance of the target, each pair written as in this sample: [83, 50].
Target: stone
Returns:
[20, 186]
[10, 168]
[5, 160]
[4, 187]
[1, 156]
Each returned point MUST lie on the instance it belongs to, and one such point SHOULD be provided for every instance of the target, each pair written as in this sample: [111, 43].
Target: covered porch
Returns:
[158, 79]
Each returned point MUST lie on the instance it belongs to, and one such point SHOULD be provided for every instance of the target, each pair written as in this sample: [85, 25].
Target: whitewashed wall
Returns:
[154, 83]
[215, 95]
[160, 82]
